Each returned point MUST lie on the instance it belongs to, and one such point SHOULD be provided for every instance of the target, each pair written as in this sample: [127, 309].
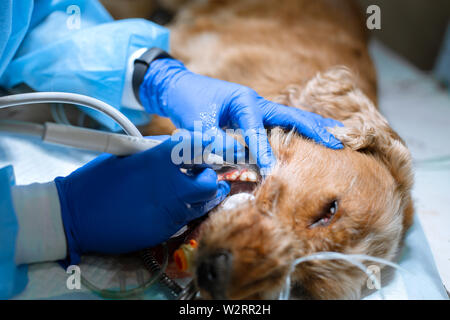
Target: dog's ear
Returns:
[334, 94]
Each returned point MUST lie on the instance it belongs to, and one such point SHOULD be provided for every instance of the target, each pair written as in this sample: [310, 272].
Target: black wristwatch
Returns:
[141, 65]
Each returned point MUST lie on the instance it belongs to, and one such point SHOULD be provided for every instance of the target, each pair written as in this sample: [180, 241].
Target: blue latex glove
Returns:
[170, 90]
[122, 204]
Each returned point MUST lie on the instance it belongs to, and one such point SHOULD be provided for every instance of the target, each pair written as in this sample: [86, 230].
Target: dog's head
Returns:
[352, 201]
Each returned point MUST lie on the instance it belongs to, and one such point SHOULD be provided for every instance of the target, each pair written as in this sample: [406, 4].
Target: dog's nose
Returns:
[213, 273]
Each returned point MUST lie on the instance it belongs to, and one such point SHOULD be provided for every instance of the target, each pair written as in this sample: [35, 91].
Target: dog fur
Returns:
[309, 54]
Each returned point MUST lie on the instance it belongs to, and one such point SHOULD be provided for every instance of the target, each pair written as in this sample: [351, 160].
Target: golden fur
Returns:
[309, 54]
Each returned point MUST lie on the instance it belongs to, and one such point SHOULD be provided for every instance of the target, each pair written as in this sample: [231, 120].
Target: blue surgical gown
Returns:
[42, 45]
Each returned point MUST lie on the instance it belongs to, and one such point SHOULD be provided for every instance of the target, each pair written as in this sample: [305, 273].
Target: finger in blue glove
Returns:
[171, 90]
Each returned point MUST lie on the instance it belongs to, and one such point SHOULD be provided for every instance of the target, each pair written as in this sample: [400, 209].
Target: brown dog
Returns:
[309, 54]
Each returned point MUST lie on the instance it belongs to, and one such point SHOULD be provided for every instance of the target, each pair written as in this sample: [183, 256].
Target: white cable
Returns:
[93, 140]
[83, 138]
[88, 139]
[72, 98]
[20, 127]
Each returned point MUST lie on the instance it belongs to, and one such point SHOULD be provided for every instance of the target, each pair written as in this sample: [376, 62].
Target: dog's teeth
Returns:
[244, 176]
[239, 175]
[252, 176]
[234, 176]
[231, 176]
[248, 176]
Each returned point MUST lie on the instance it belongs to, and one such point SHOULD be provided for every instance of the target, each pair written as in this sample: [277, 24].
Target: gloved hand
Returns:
[122, 204]
[170, 90]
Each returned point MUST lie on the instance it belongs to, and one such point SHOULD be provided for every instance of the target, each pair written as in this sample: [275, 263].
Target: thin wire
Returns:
[63, 115]
[352, 258]
[437, 163]
[433, 160]
[55, 114]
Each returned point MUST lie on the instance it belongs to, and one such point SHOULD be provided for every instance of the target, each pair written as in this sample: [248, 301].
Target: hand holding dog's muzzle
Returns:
[171, 90]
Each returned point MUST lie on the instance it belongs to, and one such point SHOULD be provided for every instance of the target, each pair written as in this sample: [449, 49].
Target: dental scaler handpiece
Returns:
[99, 141]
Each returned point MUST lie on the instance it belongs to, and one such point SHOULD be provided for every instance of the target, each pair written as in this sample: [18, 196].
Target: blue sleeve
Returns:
[15, 18]
[18, 18]
[13, 279]
[88, 55]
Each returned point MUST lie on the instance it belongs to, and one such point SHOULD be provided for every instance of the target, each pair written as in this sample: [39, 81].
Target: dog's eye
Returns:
[326, 216]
